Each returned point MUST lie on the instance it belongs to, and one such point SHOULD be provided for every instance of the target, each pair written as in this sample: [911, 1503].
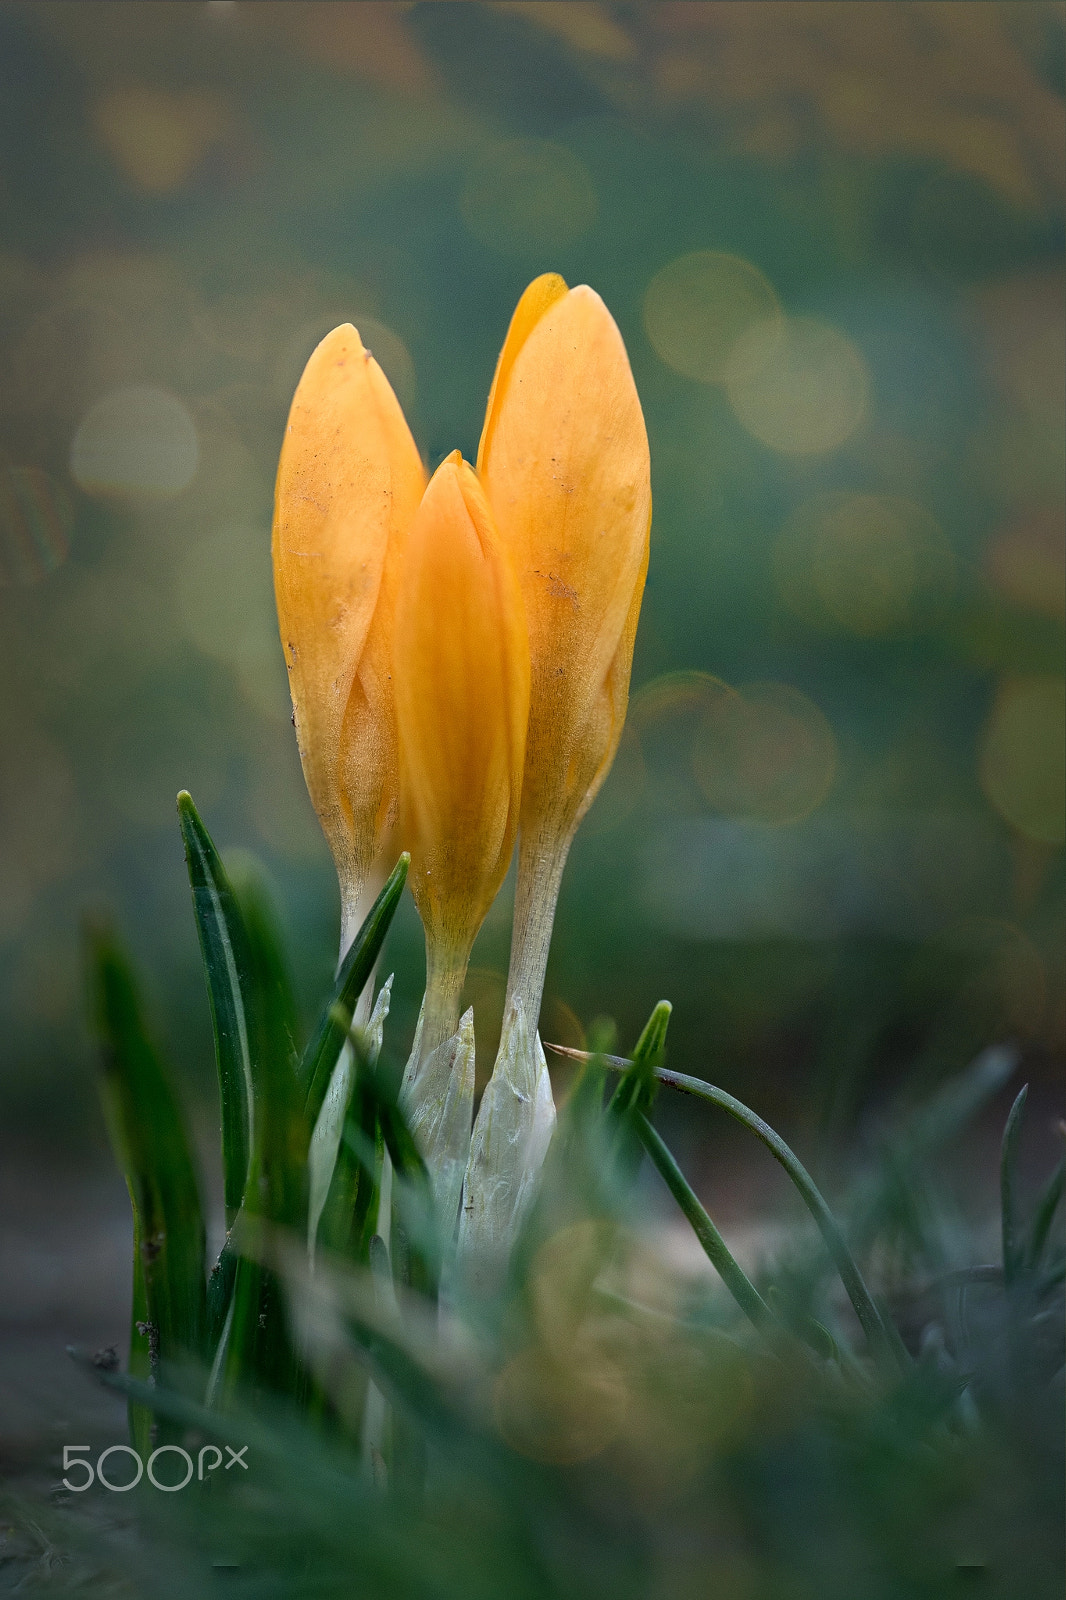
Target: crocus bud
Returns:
[461, 670]
[564, 461]
[349, 481]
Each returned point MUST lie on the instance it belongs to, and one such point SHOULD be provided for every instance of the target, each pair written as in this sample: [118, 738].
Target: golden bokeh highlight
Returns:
[555, 1412]
[664, 716]
[766, 753]
[802, 389]
[1027, 562]
[137, 440]
[699, 310]
[623, 789]
[225, 606]
[1022, 758]
[564, 1398]
[528, 195]
[674, 694]
[158, 137]
[871, 564]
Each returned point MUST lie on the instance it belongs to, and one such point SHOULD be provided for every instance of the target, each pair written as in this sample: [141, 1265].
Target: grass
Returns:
[873, 1414]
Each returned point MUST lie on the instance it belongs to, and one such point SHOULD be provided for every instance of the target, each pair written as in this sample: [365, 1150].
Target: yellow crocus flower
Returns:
[349, 482]
[461, 669]
[459, 656]
[564, 461]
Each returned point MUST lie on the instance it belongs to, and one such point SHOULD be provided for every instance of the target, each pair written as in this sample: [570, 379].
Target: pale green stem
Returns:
[445, 976]
[541, 859]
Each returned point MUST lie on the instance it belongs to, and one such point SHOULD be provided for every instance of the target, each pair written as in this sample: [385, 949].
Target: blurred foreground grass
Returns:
[612, 1428]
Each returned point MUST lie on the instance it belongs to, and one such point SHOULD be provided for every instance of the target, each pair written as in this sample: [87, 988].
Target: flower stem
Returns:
[541, 860]
[445, 975]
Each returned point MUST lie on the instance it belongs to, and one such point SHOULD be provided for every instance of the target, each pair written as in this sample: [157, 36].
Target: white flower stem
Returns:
[541, 859]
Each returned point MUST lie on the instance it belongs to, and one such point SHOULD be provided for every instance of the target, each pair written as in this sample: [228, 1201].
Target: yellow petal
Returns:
[566, 470]
[461, 669]
[542, 293]
[349, 482]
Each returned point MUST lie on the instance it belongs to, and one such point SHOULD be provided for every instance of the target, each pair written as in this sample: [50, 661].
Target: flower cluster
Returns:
[459, 655]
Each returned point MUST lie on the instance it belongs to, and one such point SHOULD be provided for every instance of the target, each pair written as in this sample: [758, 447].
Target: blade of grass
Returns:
[878, 1336]
[637, 1087]
[320, 1057]
[149, 1138]
[227, 968]
[275, 997]
[1044, 1216]
[1008, 1173]
[721, 1258]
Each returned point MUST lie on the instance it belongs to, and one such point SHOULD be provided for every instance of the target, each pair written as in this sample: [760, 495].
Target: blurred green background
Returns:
[832, 238]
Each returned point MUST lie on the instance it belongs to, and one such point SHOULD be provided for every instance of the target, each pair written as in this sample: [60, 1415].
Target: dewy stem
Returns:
[541, 859]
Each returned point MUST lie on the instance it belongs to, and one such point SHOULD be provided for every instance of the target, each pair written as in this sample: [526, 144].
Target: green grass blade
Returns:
[320, 1057]
[148, 1134]
[1044, 1215]
[879, 1336]
[721, 1258]
[350, 1212]
[276, 1000]
[1008, 1175]
[638, 1085]
[227, 967]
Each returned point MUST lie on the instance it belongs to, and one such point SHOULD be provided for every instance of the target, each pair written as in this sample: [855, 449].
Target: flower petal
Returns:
[461, 668]
[566, 471]
[542, 293]
[349, 481]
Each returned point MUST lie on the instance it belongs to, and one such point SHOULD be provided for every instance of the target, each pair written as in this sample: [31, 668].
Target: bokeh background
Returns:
[832, 237]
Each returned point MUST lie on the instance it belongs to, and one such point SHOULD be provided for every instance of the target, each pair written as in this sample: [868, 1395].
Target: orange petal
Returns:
[541, 293]
[461, 668]
[349, 481]
[567, 474]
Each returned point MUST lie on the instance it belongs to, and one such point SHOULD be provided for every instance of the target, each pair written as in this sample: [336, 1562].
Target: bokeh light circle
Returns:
[766, 753]
[870, 564]
[35, 522]
[528, 195]
[801, 389]
[1022, 761]
[136, 440]
[699, 309]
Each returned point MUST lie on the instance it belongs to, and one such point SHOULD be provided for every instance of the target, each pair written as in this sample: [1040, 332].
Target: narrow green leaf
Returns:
[350, 1211]
[320, 1057]
[882, 1339]
[274, 990]
[227, 967]
[1008, 1172]
[1044, 1216]
[721, 1258]
[148, 1134]
[376, 1125]
[219, 1293]
[638, 1085]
